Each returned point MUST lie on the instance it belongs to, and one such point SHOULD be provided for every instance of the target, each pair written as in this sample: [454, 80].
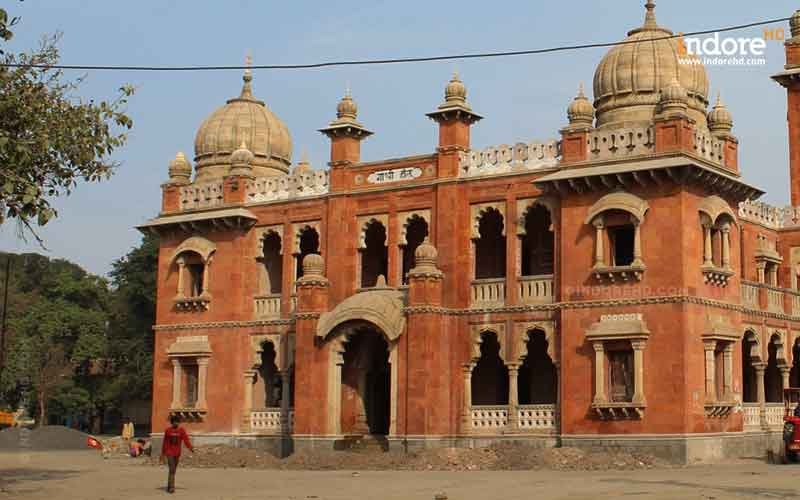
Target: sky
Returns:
[522, 98]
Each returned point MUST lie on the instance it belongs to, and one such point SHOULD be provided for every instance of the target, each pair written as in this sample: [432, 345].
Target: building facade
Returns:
[616, 286]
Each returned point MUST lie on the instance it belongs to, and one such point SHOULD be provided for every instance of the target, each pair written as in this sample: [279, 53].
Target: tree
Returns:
[49, 138]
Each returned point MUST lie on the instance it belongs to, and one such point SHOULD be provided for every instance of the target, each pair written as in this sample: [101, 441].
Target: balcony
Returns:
[536, 289]
[778, 300]
[540, 418]
[750, 295]
[487, 293]
[268, 421]
[268, 306]
[752, 420]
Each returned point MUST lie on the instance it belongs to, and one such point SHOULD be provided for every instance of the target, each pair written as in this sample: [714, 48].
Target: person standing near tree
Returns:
[174, 437]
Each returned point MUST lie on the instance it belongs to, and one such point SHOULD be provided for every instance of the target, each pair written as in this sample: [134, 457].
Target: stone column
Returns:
[637, 242]
[727, 372]
[247, 406]
[726, 246]
[181, 265]
[711, 388]
[285, 398]
[202, 377]
[760, 368]
[708, 255]
[638, 370]
[206, 284]
[598, 246]
[361, 426]
[785, 372]
[599, 373]
[760, 268]
[176, 384]
[513, 397]
[467, 415]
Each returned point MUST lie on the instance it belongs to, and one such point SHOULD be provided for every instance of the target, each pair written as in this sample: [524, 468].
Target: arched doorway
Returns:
[538, 377]
[490, 375]
[749, 384]
[365, 381]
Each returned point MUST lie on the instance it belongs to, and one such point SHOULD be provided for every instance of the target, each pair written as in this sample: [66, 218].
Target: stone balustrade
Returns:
[751, 415]
[708, 147]
[504, 158]
[530, 418]
[489, 419]
[774, 415]
[290, 186]
[774, 300]
[769, 216]
[536, 289]
[201, 195]
[537, 417]
[488, 292]
[750, 295]
[795, 303]
[268, 420]
[268, 306]
[631, 141]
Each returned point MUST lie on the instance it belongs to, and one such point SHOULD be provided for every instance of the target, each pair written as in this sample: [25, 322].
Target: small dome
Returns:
[629, 79]
[580, 111]
[674, 92]
[720, 119]
[456, 91]
[242, 119]
[347, 109]
[303, 167]
[425, 257]
[313, 265]
[180, 170]
[794, 22]
[242, 156]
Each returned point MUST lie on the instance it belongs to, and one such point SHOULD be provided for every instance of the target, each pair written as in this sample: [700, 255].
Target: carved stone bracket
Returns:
[200, 303]
[616, 274]
[719, 409]
[619, 411]
[716, 276]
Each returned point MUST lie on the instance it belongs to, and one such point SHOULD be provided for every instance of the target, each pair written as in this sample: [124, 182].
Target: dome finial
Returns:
[650, 17]
[580, 111]
[247, 88]
[720, 120]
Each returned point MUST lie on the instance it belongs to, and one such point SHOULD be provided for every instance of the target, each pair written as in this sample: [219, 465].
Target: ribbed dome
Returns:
[247, 120]
[629, 79]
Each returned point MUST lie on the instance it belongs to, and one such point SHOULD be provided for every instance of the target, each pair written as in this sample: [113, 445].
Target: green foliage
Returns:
[50, 138]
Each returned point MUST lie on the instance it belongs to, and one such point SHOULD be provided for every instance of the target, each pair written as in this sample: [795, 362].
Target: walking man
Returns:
[174, 437]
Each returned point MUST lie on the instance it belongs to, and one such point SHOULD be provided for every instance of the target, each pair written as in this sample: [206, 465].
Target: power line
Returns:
[400, 60]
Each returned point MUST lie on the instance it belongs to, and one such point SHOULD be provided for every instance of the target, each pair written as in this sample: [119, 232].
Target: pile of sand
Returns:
[48, 437]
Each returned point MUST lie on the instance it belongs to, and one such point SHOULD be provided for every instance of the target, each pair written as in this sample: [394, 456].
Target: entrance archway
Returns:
[365, 381]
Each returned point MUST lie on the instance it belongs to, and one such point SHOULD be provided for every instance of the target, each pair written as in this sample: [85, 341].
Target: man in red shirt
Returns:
[174, 436]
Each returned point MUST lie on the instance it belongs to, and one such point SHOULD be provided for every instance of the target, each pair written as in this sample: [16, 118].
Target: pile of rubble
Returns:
[498, 457]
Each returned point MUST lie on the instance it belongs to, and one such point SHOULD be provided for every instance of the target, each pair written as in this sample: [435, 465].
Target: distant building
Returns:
[618, 286]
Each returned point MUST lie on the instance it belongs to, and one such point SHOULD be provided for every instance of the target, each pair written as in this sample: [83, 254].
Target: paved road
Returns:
[83, 475]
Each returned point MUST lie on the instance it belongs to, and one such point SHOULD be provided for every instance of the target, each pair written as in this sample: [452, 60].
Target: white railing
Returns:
[768, 215]
[269, 420]
[288, 186]
[774, 415]
[632, 141]
[795, 304]
[504, 158]
[536, 289]
[268, 306]
[488, 292]
[774, 300]
[490, 419]
[201, 195]
[537, 417]
[709, 147]
[750, 295]
[750, 412]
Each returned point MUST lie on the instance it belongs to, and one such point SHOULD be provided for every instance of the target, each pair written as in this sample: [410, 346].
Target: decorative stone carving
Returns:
[298, 230]
[405, 219]
[201, 195]
[504, 159]
[622, 142]
[383, 308]
[476, 331]
[197, 244]
[522, 333]
[619, 200]
[364, 222]
[477, 212]
[300, 184]
[526, 204]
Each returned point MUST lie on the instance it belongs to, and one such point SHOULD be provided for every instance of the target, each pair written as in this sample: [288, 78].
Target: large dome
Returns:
[629, 79]
[242, 120]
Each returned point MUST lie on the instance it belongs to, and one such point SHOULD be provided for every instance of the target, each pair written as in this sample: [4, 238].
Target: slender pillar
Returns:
[711, 388]
[599, 373]
[336, 407]
[393, 389]
[727, 372]
[206, 284]
[361, 426]
[286, 427]
[760, 368]
[708, 255]
[181, 265]
[785, 372]
[598, 247]
[202, 377]
[176, 384]
[467, 414]
[637, 242]
[760, 268]
[247, 406]
[726, 246]
[638, 370]
[513, 397]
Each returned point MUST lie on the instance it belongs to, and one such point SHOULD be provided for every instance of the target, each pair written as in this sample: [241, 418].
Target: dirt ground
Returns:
[85, 475]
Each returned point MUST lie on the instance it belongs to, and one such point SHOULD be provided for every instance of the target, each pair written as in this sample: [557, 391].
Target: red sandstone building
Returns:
[616, 287]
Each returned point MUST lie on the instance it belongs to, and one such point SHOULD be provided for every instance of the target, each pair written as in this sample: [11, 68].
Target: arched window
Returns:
[490, 375]
[538, 378]
[617, 218]
[271, 260]
[374, 254]
[490, 245]
[773, 378]
[716, 219]
[538, 242]
[415, 233]
[191, 262]
[749, 383]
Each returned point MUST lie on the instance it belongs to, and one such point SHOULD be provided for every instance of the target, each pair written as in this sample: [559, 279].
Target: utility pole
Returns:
[5, 315]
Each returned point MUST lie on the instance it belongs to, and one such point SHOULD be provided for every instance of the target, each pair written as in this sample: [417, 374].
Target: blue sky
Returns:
[522, 98]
